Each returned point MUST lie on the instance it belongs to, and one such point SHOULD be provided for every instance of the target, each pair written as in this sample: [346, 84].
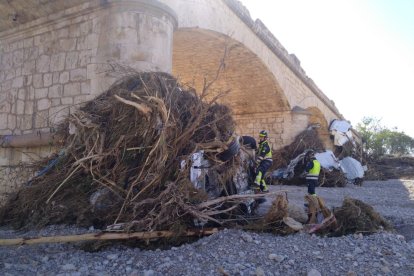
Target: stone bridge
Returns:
[53, 54]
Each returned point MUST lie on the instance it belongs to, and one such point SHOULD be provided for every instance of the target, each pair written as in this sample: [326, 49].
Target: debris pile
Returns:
[390, 167]
[337, 169]
[307, 139]
[355, 216]
[148, 155]
[278, 219]
[126, 160]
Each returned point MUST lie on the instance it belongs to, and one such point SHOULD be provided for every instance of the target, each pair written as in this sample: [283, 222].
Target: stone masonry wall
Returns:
[50, 66]
[44, 74]
[43, 77]
[282, 127]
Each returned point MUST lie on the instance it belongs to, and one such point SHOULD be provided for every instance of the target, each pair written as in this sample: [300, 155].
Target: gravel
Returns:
[236, 252]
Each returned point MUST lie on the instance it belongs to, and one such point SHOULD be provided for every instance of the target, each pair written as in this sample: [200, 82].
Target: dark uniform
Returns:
[263, 162]
[313, 168]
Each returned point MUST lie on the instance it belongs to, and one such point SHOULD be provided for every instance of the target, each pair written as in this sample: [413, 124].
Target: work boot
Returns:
[255, 186]
[264, 189]
[263, 186]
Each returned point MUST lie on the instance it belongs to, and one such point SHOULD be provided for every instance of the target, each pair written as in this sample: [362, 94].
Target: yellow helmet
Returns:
[263, 133]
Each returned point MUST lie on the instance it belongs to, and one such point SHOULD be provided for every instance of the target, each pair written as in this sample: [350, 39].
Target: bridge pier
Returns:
[133, 34]
[58, 55]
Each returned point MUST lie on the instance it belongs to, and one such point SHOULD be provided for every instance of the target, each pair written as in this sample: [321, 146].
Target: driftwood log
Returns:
[108, 236]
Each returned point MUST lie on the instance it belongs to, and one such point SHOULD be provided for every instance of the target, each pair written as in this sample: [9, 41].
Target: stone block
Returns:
[85, 58]
[47, 79]
[74, 30]
[13, 46]
[31, 92]
[41, 93]
[64, 77]
[17, 82]
[58, 114]
[6, 85]
[41, 119]
[10, 74]
[86, 87]
[67, 44]
[55, 102]
[55, 91]
[28, 42]
[4, 47]
[85, 27]
[93, 41]
[7, 61]
[61, 33]
[67, 101]
[57, 62]
[28, 107]
[82, 43]
[56, 77]
[71, 89]
[19, 107]
[3, 121]
[29, 67]
[78, 74]
[43, 64]
[11, 121]
[26, 122]
[38, 81]
[43, 104]
[13, 93]
[72, 60]
[18, 58]
[27, 80]
[31, 53]
[5, 107]
[18, 71]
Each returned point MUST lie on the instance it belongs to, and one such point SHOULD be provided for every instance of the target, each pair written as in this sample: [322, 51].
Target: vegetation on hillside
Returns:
[380, 140]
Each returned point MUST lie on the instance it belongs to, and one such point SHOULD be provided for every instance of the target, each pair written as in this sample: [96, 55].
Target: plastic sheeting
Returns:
[341, 126]
[352, 168]
[196, 169]
[341, 130]
[328, 160]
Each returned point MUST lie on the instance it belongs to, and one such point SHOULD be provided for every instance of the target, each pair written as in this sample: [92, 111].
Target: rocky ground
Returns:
[236, 252]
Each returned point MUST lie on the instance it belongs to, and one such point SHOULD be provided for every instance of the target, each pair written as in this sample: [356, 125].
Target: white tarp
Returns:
[341, 130]
[196, 169]
[352, 168]
[328, 160]
[342, 126]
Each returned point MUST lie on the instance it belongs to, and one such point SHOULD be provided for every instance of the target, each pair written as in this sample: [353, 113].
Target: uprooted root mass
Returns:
[124, 151]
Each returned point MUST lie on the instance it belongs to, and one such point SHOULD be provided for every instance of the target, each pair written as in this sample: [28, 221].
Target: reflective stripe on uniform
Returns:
[314, 172]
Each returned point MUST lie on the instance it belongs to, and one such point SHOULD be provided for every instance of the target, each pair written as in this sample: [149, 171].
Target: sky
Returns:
[360, 53]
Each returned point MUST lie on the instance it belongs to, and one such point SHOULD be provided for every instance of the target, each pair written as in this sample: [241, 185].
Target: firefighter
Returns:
[313, 168]
[263, 162]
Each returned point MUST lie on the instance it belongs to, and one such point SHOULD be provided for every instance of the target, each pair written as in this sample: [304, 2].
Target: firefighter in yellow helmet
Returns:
[263, 162]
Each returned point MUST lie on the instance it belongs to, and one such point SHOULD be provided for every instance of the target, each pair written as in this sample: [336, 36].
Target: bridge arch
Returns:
[253, 91]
